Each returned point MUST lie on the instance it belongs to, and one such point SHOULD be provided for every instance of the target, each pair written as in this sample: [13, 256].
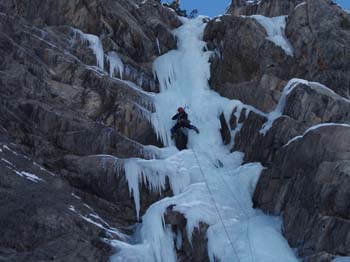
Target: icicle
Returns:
[116, 66]
[153, 174]
[95, 45]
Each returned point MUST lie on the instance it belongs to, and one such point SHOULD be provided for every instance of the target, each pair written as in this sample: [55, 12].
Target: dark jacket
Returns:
[181, 117]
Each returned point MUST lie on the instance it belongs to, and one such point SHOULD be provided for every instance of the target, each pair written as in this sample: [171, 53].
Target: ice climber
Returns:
[182, 121]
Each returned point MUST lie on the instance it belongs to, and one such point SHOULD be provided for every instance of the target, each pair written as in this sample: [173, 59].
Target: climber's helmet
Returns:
[180, 110]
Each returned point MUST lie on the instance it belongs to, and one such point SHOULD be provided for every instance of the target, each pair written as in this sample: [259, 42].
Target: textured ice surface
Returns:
[210, 184]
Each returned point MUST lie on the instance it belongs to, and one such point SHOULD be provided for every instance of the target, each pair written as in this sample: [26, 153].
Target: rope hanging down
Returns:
[216, 208]
[245, 213]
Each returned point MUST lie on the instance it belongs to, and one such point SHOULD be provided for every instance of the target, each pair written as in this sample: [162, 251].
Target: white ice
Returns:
[210, 184]
[30, 176]
[341, 259]
[250, 2]
[275, 27]
[299, 5]
[8, 149]
[116, 66]
[102, 224]
[96, 46]
[26, 175]
[314, 128]
[7, 162]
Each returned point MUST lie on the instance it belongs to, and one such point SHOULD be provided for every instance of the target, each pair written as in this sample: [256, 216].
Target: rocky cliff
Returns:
[297, 129]
[74, 78]
[77, 92]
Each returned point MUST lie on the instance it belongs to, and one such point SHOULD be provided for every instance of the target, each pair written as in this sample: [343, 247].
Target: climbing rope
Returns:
[216, 208]
[247, 216]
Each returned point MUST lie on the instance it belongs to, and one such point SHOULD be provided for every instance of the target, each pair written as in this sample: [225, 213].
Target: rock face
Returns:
[305, 150]
[249, 67]
[316, 218]
[128, 28]
[41, 217]
[75, 104]
[104, 176]
[262, 7]
[305, 107]
[321, 44]
[64, 105]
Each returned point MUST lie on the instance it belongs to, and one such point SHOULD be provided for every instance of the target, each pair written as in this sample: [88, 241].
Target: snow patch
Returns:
[41, 168]
[8, 149]
[29, 176]
[7, 162]
[314, 128]
[293, 83]
[25, 174]
[218, 20]
[275, 27]
[272, 116]
[251, 2]
[299, 5]
[77, 197]
[111, 231]
[11, 166]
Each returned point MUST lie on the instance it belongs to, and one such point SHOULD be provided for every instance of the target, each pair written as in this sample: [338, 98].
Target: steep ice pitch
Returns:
[210, 184]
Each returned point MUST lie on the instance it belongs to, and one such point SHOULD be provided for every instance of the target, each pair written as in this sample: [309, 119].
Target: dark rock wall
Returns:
[59, 109]
[37, 218]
